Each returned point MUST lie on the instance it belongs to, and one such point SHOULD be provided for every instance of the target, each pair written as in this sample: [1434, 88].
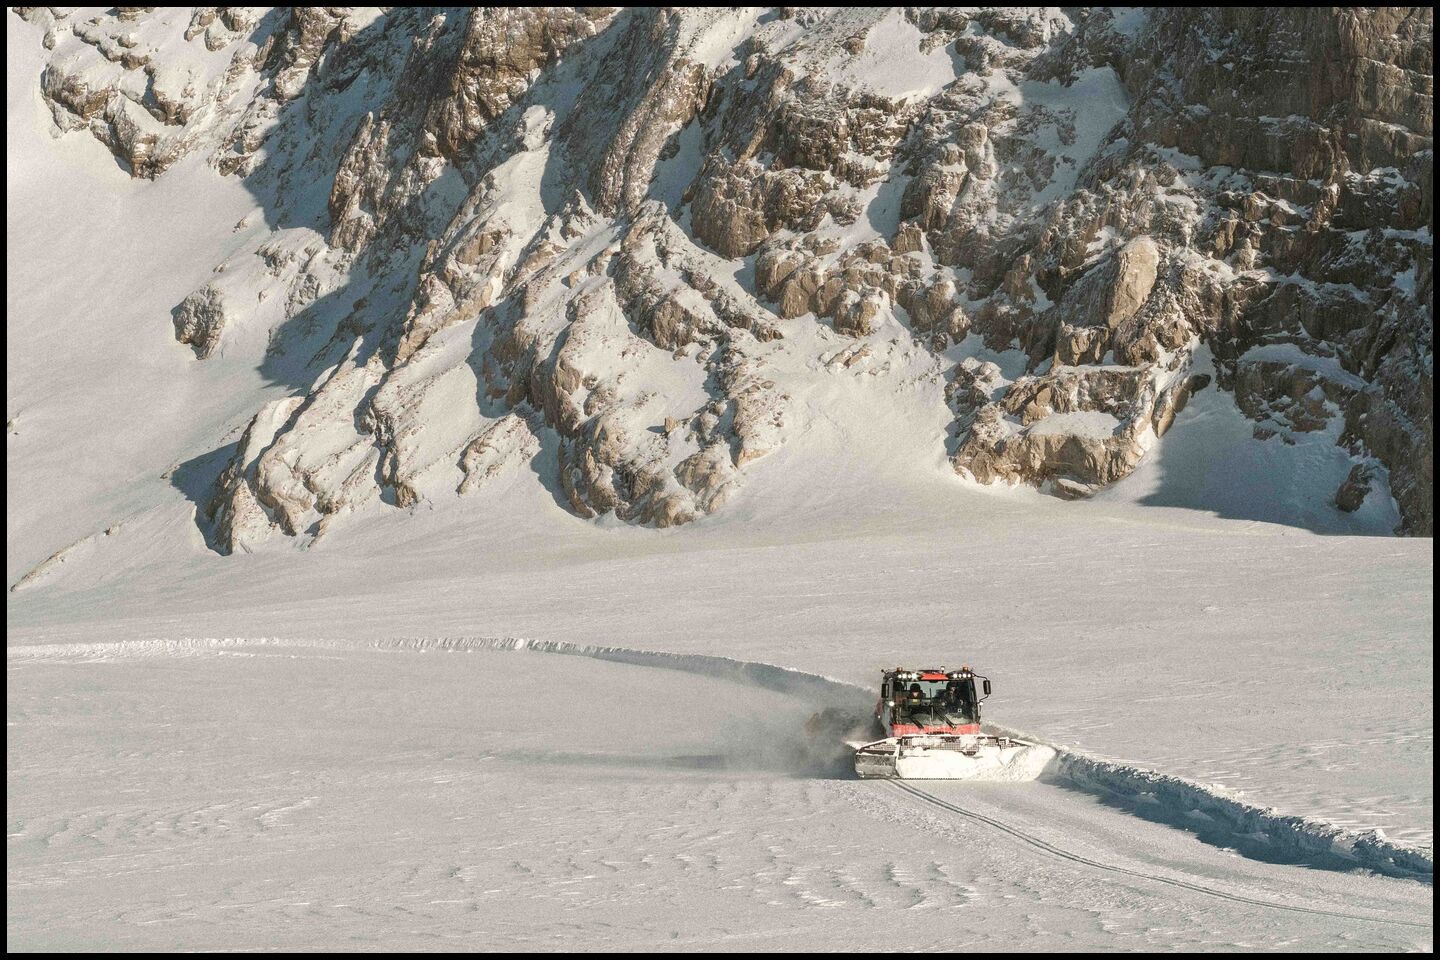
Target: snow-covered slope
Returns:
[362, 330]
[528, 815]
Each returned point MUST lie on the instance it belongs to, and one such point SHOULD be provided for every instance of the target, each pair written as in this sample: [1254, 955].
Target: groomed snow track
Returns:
[1063, 854]
[1255, 831]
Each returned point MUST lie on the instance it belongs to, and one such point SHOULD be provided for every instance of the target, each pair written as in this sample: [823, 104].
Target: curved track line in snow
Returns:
[749, 672]
[1064, 854]
[1256, 832]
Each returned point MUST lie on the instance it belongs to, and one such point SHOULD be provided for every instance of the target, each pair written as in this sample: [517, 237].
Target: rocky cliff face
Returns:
[592, 231]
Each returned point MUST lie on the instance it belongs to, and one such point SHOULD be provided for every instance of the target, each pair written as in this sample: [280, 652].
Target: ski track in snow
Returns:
[911, 789]
[1176, 801]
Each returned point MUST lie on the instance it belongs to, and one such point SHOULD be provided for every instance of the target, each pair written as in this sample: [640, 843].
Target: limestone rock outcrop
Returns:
[592, 239]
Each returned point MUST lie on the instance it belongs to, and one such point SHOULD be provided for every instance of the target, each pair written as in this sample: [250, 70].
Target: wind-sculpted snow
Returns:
[1218, 817]
[263, 796]
[622, 245]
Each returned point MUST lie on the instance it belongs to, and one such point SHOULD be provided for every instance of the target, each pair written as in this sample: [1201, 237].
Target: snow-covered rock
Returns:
[592, 231]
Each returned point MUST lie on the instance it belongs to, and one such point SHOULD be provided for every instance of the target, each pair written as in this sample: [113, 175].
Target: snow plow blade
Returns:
[940, 757]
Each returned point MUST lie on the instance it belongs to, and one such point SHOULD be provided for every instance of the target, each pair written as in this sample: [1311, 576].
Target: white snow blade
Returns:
[952, 757]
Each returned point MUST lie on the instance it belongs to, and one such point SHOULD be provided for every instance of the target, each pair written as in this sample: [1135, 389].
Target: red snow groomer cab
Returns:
[931, 720]
[930, 701]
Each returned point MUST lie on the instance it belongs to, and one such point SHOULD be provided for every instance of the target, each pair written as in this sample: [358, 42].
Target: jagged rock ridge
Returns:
[590, 230]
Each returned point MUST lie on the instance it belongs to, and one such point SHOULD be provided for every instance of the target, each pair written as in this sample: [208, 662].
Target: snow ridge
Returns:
[919, 794]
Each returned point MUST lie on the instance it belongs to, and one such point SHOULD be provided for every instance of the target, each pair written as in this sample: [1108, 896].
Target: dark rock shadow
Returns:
[196, 478]
[1209, 462]
[546, 464]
